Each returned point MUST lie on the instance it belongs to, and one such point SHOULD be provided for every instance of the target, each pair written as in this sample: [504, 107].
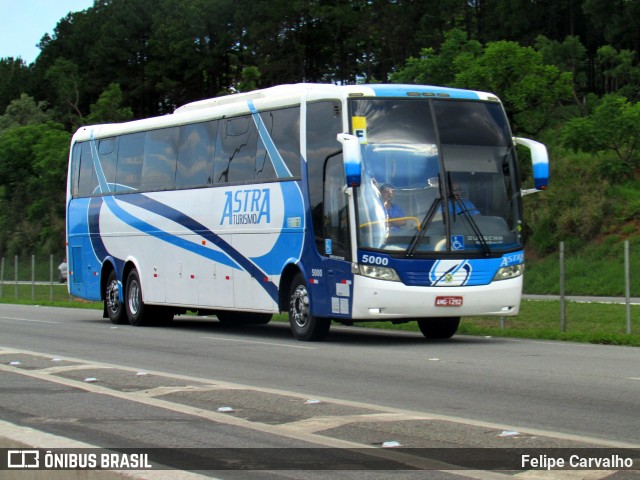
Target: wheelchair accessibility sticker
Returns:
[457, 242]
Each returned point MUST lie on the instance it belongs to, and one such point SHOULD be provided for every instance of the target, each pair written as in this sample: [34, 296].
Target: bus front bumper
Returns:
[379, 300]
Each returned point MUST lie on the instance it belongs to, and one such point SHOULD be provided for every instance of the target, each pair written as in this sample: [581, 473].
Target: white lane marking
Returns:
[139, 396]
[21, 437]
[29, 320]
[260, 343]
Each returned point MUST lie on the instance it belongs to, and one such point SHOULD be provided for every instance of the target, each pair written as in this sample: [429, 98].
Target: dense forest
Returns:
[568, 72]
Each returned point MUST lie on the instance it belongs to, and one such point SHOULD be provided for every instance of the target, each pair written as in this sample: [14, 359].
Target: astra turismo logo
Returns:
[450, 272]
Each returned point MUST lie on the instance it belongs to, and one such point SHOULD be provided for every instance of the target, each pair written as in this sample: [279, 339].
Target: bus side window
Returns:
[74, 171]
[108, 159]
[235, 159]
[264, 169]
[160, 156]
[195, 154]
[284, 127]
[88, 181]
[130, 156]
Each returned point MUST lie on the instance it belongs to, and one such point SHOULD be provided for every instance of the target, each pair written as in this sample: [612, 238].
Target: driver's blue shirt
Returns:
[464, 206]
[393, 211]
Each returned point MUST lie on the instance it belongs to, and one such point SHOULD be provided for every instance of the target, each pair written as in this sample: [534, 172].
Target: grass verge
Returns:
[600, 323]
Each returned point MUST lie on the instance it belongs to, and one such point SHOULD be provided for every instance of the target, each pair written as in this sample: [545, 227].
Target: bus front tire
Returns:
[113, 306]
[439, 328]
[305, 326]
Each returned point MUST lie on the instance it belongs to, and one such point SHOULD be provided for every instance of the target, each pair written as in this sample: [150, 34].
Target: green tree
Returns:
[23, 111]
[33, 161]
[193, 48]
[569, 55]
[438, 68]
[620, 72]
[250, 79]
[530, 89]
[614, 126]
[65, 79]
[14, 77]
[615, 21]
[109, 107]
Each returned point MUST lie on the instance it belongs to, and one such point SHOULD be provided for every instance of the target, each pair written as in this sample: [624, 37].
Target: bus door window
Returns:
[335, 216]
[324, 122]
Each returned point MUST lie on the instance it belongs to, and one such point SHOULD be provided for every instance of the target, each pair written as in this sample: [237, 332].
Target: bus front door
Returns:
[337, 244]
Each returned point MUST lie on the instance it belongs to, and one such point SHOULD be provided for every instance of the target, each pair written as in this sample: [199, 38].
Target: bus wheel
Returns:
[439, 328]
[305, 326]
[114, 308]
[136, 310]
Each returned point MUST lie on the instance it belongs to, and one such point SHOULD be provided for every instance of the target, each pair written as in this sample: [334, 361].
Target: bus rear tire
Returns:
[113, 306]
[439, 328]
[137, 312]
[305, 327]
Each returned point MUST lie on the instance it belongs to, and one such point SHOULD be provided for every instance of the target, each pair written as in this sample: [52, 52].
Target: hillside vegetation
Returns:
[568, 74]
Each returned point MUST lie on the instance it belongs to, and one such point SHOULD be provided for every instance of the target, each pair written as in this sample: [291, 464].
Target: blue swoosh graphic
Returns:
[233, 258]
[270, 262]
[277, 161]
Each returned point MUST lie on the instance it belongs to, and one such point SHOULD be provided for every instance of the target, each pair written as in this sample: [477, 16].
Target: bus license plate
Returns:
[448, 301]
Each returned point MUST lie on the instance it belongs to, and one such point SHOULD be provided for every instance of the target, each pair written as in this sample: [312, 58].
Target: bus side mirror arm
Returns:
[539, 161]
[353, 230]
[352, 158]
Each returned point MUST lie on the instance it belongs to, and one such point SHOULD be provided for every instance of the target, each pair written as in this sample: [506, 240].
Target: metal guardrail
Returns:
[36, 272]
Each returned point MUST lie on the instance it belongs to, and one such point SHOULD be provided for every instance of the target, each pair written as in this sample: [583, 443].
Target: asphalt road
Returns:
[368, 387]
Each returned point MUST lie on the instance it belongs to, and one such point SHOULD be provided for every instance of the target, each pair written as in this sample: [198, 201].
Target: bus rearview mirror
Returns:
[539, 161]
[352, 157]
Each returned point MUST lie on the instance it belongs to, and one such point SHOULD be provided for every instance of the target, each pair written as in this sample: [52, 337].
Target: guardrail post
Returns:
[2, 278]
[33, 277]
[51, 277]
[15, 275]
[627, 283]
[563, 305]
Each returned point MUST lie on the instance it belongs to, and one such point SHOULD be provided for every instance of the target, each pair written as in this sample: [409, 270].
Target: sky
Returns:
[23, 23]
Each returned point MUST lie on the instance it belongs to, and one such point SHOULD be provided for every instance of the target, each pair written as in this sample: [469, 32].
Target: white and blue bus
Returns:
[332, 203]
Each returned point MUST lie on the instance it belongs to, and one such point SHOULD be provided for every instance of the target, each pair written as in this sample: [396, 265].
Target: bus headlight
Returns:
[379, 273]
[511, 271]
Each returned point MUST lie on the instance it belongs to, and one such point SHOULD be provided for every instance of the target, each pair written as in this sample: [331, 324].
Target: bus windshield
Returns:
[439, 175]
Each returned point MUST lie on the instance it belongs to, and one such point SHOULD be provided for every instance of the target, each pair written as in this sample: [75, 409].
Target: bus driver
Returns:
[395, 214]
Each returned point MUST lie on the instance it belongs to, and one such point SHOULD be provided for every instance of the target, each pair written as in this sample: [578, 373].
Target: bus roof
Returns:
[294, 92]
[274, 97]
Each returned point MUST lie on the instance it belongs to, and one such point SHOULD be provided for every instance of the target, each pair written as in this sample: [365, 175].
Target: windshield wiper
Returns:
[424, 225]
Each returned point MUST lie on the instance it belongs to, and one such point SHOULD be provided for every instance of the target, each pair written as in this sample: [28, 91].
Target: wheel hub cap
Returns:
[300, 306]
